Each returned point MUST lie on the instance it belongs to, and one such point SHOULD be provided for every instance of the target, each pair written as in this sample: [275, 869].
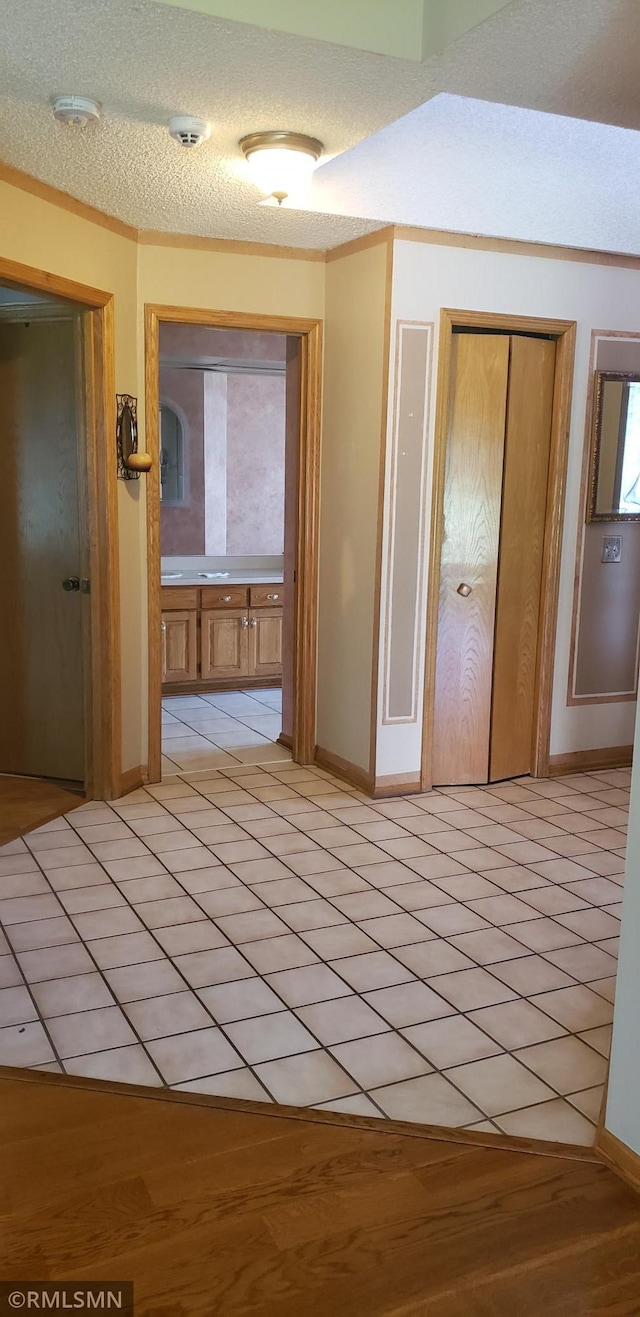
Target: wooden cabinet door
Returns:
[180, 645]
[224, 643]
[265, 642]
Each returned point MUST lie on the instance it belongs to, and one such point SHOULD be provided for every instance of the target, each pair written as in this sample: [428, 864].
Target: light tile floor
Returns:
[266, 932]
[220, 730]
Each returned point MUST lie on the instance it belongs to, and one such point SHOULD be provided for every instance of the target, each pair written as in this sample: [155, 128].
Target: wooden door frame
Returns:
[98, 494]
[306, 608]
[564, 331]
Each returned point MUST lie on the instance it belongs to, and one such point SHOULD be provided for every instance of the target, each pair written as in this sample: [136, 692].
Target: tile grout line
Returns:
[264, 841]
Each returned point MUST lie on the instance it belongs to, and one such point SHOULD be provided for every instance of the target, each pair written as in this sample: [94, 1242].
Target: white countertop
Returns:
[229, 578]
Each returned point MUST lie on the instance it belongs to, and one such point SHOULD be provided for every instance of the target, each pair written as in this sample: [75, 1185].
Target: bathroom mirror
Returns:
[614, 492]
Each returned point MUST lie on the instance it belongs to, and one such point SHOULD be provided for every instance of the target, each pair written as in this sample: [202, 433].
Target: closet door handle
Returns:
[464, 589]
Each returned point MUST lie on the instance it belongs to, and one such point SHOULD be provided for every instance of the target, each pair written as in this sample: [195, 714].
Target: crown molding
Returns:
[232, 247]
[64, 201]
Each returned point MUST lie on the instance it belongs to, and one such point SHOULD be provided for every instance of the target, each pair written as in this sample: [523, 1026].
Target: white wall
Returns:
[426, 278]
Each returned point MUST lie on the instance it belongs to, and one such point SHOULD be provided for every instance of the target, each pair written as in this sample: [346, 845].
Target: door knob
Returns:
[463, 589]
[71, 583]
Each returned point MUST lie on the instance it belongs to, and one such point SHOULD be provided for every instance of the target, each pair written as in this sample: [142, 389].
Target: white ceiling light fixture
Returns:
[76, 111]
[189, 131]
[280, 162]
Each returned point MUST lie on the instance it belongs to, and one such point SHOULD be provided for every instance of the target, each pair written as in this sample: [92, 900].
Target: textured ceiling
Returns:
[146, 61]
[476, 167]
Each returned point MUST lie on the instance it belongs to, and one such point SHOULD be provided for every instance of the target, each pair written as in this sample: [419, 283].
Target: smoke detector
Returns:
[76, 111]
[189, 131]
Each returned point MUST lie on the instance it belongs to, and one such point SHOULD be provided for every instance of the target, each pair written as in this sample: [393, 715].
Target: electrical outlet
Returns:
[611, 548]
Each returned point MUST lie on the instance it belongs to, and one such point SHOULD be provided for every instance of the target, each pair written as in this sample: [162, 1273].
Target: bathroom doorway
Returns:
[232, 408]
[60, 654]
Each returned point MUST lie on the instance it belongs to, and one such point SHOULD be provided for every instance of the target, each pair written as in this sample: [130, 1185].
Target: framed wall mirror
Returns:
[614, 486]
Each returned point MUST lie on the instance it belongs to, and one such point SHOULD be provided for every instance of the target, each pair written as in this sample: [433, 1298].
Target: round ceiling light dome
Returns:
[280, 162]
[76, 111]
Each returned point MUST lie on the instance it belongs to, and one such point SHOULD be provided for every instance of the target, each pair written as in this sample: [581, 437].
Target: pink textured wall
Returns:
[255, 464]
[182, 528]
[191, 342]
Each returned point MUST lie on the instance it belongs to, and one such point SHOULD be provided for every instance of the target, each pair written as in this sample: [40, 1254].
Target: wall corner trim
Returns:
[343, 768]
[397, 784]
[131, 779]
[622, 1159]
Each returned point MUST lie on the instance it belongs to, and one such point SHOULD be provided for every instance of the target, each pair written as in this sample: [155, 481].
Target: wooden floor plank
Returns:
[230, 1213]
[26, 802]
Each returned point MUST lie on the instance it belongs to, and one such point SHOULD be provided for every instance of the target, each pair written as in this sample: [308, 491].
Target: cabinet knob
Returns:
[464, 590]
[254, 621]
[226, 598]
[273, 596]
[245, 621]
[164, 626]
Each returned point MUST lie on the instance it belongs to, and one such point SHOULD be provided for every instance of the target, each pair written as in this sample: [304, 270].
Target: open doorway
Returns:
[229, 432]
[58, 734]
[232, 416]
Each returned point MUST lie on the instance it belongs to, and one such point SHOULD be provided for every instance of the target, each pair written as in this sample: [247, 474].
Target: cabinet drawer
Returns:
[267, 596]
[179, 596]
[220, 596]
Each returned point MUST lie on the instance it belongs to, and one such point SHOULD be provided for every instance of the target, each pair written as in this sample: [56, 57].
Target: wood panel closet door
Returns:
[472, 499]
[524, 507]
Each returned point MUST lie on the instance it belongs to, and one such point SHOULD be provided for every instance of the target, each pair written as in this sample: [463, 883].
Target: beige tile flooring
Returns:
[220, 730]
[263, 931]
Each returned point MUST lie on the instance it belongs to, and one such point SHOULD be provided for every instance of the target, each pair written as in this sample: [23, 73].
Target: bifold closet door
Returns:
[472, 507]
[524, 507]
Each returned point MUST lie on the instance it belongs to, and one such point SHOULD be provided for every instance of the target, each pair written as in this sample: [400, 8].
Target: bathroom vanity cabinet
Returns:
[219, 637]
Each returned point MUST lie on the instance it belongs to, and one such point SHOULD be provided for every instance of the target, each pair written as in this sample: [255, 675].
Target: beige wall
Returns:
[222, 281]
[39, 233]
[353, 387]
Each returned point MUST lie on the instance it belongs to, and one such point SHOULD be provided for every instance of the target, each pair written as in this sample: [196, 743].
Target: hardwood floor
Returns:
[26, 802]
[228, 1212]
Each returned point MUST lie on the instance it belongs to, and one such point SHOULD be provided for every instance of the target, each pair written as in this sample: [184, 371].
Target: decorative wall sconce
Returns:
[130, 461]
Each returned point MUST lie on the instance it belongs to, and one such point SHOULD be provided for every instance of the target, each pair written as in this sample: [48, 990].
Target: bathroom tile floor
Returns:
[264, 932]
[223, 729]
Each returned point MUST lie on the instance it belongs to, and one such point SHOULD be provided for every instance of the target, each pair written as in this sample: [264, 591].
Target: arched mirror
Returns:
[172, 457]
